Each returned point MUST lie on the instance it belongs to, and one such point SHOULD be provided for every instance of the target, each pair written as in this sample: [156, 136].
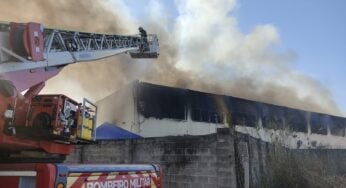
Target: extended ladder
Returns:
[30, 46]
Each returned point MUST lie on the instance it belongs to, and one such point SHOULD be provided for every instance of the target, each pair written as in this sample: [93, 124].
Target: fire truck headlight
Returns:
[9, 114]
[60, 185]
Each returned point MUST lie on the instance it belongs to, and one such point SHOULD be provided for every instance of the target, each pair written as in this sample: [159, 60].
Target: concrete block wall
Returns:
[190, 162]
[225, 165]
[187, 161]
[215, 160]
[224, 159]
[258, 152]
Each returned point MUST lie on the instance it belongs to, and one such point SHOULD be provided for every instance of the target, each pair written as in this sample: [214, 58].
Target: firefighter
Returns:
[144, 38]
[142, 32]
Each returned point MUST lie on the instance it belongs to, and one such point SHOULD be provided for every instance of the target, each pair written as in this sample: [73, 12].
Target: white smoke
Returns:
[201, 47]
[212, 49]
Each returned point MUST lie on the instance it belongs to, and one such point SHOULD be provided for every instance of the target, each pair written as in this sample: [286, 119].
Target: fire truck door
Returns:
[18, 179]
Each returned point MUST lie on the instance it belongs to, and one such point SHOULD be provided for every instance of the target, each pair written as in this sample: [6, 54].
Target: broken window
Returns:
[318, 123]
[204, 108]
[296, 120]
[161, 102]
[273, 117]
[337, 126]
[206, 116]
[243, 112]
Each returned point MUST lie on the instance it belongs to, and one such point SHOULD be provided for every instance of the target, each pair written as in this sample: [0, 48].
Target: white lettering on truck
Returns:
[125, 183]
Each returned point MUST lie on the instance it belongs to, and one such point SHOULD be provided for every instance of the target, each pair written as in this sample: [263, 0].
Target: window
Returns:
[204, 107]
[161, 102]
[318, 123]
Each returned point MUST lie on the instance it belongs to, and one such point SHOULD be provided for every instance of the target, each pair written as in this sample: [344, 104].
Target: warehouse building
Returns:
[153, 110]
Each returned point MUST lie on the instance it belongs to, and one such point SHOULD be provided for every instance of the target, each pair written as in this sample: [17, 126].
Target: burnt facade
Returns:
[161, 102]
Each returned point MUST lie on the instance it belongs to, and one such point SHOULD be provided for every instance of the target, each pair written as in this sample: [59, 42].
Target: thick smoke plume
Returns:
[201, 48]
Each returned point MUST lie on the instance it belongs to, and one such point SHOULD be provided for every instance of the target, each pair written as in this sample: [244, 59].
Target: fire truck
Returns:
[78, 176]
[39, 130]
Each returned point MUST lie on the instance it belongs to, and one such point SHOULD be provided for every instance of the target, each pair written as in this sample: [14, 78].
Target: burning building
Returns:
[152, 110]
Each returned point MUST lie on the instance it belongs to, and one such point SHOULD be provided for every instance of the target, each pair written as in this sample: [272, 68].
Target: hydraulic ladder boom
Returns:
[30, 46]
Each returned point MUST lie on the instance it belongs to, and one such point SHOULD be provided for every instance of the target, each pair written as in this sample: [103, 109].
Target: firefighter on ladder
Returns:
[144, 37]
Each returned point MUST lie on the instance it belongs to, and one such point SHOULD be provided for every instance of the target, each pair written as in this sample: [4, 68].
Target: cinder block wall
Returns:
[219, 160]
[187, 161]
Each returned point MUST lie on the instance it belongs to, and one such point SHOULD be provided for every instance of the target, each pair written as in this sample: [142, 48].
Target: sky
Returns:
[314, 30]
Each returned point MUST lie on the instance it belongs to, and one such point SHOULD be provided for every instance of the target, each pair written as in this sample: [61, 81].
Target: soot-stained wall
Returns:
[154, 101]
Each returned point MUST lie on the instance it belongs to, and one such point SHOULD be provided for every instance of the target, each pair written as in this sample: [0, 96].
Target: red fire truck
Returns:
[44, 128]
[79, 176]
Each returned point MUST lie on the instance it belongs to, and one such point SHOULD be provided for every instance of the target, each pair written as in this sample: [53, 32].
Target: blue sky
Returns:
[314, 29]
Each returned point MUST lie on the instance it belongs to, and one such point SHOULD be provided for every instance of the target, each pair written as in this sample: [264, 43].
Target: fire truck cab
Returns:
[80, 176]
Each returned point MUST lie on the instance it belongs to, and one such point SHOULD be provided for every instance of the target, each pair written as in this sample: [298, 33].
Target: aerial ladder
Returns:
[30, 54]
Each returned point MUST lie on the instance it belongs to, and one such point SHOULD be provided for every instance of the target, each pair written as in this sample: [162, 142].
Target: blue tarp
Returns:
[108, 131]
